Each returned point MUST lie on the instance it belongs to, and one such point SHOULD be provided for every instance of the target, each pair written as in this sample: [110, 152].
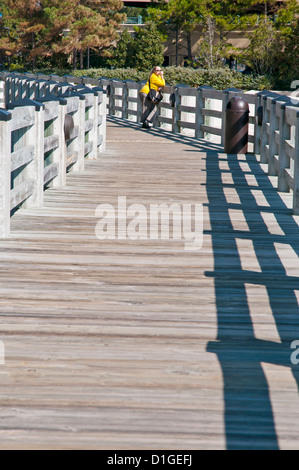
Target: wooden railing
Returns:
[46, 130]
[277, 141]
[273, 131]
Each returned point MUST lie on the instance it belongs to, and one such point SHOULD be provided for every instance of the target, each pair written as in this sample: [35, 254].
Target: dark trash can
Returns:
[236, 126]
[68, 126]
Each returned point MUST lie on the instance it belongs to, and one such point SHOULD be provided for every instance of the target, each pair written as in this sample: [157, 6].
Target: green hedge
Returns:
[219, 79]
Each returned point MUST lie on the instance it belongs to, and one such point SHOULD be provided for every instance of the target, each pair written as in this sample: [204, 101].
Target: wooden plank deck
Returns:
[123, 344]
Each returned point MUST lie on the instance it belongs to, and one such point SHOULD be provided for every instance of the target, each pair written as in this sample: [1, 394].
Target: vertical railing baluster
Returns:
[296, 167]
[5, 170]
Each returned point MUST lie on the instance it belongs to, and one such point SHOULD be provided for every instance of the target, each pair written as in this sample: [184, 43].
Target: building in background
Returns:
[175, 52]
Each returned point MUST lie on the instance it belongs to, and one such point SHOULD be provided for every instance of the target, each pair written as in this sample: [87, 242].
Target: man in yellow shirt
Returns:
[155, 82]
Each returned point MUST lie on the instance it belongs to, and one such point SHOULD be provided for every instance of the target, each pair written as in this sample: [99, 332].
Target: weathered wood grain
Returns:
[123, 344]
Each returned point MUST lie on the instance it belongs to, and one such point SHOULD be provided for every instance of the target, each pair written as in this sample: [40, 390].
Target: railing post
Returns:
[16, 88]
[225, 100]
[30, 88]
[88, 102]
[8, 89]
[23, 87]
[79, 166]
[258, 123]
[79, 141]
[296, 167]
[35, 170]
[41, 88]
[275, 144]
[124, 101]
[176, 111]
[51, 87]
[264, 131]
[4, 77]
[62, 153]
[284, 159]
[5, 170]
[59, 153]
[2, 92]
[131, 86]
[264, 135]
[101, 117]
[94, 130]
[98, 117]
[110, 89]
[199, 118]
[273, 127]
[139, 102]
[104, 83]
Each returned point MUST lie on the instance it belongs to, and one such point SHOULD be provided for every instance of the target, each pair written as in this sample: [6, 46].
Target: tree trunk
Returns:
[177, 47]
[189, 48]
[33, 57]
[74, 59]
[88, 57]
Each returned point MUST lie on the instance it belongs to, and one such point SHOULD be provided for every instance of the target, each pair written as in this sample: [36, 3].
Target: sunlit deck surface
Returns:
[143, 344]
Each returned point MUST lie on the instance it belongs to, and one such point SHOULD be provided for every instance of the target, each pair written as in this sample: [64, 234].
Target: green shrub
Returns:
[120, 73]
[219, 79]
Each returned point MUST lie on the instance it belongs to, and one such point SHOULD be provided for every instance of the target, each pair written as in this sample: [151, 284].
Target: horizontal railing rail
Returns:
[47, 128]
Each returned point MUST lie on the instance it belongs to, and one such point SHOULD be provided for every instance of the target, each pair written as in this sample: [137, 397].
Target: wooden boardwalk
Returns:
[141, 344]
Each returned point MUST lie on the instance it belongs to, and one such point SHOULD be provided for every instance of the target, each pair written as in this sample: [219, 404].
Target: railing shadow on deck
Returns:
[249, 418]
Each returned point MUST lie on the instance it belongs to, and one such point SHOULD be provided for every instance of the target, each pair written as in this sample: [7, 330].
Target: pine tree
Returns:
[94, 25]
[23, 21]
[40, 29]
